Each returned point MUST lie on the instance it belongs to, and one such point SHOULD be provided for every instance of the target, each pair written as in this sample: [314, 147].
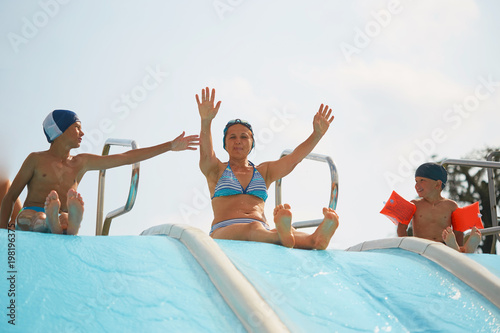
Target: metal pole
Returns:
[334, 192]
[103, 229]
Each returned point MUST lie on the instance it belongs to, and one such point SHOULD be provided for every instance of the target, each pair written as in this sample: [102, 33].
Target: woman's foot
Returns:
[326, 229]
[283, 221]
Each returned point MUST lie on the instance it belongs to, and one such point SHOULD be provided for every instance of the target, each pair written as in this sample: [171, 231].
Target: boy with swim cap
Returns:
[432, 219]
[52, 203]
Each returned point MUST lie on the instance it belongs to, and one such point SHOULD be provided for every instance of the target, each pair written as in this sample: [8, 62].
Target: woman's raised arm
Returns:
[282, 167]
[208, 161]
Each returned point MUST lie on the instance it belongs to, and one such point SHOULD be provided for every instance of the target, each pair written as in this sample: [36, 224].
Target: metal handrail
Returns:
[491, 188]
[334, 187]
[489, 165]
[485, 232]
[103, 229]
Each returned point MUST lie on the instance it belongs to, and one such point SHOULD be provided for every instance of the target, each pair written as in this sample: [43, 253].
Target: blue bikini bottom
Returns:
[234, 221]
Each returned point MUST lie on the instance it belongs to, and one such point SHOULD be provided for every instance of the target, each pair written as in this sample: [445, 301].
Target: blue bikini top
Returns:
[228, 184]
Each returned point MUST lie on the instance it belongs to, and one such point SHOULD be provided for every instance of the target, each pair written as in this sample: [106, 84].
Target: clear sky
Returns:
[406, 80]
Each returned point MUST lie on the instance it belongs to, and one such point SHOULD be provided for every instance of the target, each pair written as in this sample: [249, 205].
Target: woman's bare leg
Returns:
[253, 231]
[256, 232]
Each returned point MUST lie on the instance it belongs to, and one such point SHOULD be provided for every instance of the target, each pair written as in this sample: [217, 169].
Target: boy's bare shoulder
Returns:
[83, 157]
[39, 156]
[38, 153]
[35, 156]
[417, 201]
[451, 204]
[83, 160]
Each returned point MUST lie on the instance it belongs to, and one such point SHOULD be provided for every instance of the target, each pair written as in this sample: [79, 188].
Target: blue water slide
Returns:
[108, 284]
[177, 279]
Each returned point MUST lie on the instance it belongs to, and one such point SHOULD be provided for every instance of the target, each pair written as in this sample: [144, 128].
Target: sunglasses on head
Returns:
[238, 121]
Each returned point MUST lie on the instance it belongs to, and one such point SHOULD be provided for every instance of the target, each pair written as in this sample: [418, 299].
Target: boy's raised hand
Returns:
[185, 143]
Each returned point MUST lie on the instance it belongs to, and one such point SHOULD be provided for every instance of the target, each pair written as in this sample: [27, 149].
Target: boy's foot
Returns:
[63, 221]
[474, 239]
[283, 221]
[52, 205]
[75, 211]
[326, 229]
[450, 239]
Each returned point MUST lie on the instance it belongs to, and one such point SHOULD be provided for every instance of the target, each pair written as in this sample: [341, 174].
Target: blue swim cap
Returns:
[57, 122]
[235, 122]
[432, 171]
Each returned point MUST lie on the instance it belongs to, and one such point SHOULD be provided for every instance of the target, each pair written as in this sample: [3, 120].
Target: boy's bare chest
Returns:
[57, 172]
[434, 214]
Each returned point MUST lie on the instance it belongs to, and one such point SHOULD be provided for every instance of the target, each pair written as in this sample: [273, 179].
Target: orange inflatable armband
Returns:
[467, 217]
[398, 209]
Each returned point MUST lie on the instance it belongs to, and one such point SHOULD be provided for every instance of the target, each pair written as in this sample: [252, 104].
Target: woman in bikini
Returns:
[239, 188]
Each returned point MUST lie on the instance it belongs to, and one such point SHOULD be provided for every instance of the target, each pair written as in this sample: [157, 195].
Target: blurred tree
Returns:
[467, 185]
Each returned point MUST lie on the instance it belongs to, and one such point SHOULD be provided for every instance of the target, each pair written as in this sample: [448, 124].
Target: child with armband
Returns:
[437, 218]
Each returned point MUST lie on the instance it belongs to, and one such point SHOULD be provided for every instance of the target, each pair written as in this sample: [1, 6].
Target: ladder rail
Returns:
[103, 228]
[485, 232]
[334, 192]
[491, 189]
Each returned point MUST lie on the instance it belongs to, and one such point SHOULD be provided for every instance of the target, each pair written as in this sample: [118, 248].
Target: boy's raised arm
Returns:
[97, 162]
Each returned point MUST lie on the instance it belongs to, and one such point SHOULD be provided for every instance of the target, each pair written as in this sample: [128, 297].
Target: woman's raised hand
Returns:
[322, 120]
[206, 106]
